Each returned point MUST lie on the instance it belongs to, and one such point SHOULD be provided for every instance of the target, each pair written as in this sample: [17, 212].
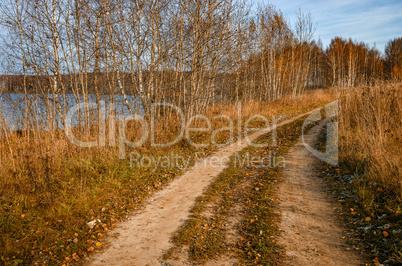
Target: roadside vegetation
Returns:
[367, 182]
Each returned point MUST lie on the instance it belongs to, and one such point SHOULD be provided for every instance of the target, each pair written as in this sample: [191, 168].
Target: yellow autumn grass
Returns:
[371, 135]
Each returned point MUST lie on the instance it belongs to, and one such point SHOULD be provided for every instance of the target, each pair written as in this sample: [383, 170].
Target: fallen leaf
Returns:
[90, 249]
[352, 210]
[385, 234]
[92, 224]
[22, 215]
[252, 221]
[368, 219]
[98, 244]
[376, 261]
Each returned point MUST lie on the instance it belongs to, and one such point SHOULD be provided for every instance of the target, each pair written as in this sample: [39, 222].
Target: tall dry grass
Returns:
[371, 135]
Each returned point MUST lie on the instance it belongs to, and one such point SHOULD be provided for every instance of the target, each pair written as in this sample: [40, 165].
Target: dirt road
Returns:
[143, 238]
[311, 233]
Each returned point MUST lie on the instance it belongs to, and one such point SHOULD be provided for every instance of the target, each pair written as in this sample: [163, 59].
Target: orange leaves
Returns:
[104, 226]
[91, 248]
[385, 234]
[74, 256]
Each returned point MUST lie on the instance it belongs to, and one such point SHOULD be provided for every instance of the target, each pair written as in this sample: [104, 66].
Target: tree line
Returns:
[190, 53]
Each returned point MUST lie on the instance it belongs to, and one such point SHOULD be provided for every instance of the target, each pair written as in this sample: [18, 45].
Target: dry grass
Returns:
[371, 130]
[367, 182]
[50, 188]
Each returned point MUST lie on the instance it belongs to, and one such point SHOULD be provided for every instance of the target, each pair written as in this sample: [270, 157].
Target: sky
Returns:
[368, 21]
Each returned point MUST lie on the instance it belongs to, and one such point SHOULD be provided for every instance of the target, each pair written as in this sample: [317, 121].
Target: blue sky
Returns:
[362, 20]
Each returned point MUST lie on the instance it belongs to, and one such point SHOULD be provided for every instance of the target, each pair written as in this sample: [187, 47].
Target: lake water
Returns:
[13, 108]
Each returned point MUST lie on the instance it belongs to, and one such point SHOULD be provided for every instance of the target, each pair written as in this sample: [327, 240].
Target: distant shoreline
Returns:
[21, 92]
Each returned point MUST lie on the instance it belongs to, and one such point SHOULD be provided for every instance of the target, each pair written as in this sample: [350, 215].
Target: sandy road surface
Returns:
[146, 235]
[311, 233]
